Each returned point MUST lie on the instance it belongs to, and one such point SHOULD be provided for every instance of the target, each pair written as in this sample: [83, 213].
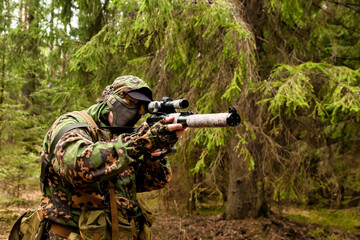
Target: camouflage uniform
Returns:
[82, 166]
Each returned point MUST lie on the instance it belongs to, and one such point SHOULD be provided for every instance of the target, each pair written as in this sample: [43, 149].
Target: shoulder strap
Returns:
[46, 161]
[61, 133]
[91, 125]
[87, 118]
[95, 130]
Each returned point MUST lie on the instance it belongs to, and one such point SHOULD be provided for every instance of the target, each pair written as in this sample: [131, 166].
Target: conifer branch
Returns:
[336, 20]
[345, 4]
[139, 39]
[348, 58]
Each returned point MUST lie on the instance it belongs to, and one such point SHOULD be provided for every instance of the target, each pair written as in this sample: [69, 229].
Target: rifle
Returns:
[167, 108]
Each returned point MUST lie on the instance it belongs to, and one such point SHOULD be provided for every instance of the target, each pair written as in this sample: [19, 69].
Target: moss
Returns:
[210, 210]
[347, 219]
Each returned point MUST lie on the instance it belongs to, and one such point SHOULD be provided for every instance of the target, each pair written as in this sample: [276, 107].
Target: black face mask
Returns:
[125, 114]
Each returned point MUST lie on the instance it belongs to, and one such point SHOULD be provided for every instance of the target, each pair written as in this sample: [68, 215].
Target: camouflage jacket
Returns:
[82, 166]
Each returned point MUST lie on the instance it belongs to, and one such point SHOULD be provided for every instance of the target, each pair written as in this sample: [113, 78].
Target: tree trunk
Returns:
[26, 8]
[20, 12]
[246, 195]
[2, 84]
[31, 50]
[3, 73]
[244, 198]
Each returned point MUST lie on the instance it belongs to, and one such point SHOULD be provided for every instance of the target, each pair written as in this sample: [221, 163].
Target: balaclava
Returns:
[126, 114]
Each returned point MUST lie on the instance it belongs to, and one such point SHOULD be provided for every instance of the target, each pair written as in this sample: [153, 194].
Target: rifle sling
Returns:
[114, 212]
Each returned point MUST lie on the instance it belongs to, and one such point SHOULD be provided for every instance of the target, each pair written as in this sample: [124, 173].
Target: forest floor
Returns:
[214, 227]
[293, 223]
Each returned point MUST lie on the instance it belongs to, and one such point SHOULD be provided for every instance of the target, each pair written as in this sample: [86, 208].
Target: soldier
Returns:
[91, 182]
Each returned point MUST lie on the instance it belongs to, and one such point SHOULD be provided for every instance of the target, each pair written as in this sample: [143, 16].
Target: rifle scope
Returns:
[167, 105]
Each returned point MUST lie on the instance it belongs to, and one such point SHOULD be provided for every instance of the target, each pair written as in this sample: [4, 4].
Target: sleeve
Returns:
[78, 160]
[153, 175]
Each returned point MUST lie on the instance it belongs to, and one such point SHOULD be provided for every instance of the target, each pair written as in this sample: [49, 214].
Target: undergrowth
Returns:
[326, 219]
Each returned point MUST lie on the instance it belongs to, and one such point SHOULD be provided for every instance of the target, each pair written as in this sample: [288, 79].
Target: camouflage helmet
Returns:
[130, 85]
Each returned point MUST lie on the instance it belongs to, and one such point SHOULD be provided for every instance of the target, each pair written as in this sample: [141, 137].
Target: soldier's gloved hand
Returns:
[163, 135]
[177, 128]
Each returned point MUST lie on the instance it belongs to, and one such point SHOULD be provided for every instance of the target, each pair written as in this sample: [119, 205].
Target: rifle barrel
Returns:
[208, 120]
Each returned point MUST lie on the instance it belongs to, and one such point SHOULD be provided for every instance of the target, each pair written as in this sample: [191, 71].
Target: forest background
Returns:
[290, 68]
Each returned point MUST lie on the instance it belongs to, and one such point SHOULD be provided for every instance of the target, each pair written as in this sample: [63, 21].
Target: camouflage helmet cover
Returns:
[125, 84]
